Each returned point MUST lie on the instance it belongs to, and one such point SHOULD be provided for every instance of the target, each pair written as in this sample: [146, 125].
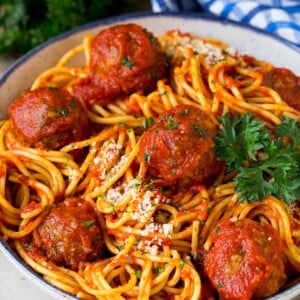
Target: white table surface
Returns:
[13, 284]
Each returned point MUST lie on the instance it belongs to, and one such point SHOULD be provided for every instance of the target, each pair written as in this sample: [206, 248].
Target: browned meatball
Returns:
[286, 83]
[124, 59]
[245, 260]
[70, 234]
[178, 148]
[49, 118]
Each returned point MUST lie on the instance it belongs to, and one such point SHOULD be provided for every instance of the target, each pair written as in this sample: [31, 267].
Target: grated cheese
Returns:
[150, 246]
[211, 52]
[107, 156]
[153, 227]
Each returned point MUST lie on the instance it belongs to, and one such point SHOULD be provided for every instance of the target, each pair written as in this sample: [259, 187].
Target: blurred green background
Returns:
[25, 24]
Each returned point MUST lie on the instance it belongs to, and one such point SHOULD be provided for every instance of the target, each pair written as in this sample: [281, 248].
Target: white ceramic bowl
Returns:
[21, 74]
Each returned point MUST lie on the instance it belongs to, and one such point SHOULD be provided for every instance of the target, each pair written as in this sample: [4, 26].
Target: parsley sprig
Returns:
[266, 163]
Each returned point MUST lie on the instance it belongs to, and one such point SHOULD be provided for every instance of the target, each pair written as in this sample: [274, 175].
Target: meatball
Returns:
[245, 260]
[179, 147]
[70, 234]
[124, 59]
[286, 83]
[48, 118]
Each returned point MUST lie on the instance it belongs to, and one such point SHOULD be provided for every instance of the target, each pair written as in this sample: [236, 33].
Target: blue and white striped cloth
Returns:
[280, 17]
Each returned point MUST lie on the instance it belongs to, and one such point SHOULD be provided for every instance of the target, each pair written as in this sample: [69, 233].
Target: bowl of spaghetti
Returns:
[153, 156]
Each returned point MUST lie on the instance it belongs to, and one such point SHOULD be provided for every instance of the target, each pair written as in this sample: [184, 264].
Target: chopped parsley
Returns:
[199, 130]
[147, 157]
[171, 123]
[88, 223]
[127, 62]
[158, 270]
[72, 104]
[137, 182]
[181, 264]
[163, 93]
[184, 112]
[119, 247]
[217, 229]
[29, 246]
[201, 222]
[62, 112]
[148, 122]
[138, 273]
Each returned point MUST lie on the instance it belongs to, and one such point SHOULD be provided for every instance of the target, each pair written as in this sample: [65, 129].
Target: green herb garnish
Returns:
[88, 223]
[266, 163]
[127, 62]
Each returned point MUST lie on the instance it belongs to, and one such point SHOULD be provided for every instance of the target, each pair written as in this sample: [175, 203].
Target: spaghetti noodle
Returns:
[152, 234]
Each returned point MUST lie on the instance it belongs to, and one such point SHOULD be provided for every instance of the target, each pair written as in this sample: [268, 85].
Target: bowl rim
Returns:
[121, 18]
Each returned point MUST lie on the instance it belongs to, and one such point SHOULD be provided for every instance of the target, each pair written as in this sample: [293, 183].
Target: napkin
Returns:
[279, 17]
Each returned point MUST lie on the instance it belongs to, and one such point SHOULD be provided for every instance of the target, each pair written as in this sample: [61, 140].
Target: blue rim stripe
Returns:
[282, 24]
[258, 9]
[295, 9]
[227, 10]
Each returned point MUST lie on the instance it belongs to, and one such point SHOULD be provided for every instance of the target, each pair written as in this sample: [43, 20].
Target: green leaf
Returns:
[251, 185]
[240, 139]
[289, 128]
[266, 164]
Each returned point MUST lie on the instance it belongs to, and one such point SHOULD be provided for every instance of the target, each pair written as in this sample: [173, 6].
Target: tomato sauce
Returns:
[286, 83]
[124, 59]
[70, 234]
[178, 148]
[245, 260]
[48, 118]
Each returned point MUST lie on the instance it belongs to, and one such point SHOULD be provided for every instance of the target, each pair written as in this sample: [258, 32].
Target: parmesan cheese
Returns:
[211, 52]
